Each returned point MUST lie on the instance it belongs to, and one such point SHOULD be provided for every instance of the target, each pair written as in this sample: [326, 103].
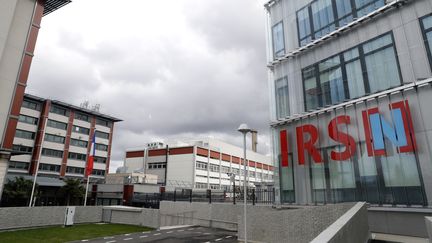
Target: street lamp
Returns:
[243, 128]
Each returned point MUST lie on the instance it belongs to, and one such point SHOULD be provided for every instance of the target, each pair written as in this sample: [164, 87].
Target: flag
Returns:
[90, 159]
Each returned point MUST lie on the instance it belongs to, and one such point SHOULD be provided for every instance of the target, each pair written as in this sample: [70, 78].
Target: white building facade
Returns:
[201, 164]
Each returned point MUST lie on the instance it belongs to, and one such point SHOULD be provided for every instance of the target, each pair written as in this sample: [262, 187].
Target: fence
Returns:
[253, 196]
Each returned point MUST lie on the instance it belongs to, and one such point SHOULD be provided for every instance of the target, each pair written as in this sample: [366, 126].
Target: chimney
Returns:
[254, 140]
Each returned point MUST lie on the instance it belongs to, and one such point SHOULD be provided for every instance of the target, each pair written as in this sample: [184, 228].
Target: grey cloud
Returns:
[165, 88]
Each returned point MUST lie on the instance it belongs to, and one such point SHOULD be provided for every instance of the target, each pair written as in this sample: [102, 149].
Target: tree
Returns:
[17, 192]
[72, 190]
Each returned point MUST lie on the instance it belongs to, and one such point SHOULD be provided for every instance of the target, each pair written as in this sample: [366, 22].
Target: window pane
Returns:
[322, 15]
[332, 87]
[382, 70]
[282, 101]
[303, 23]
[366, 6]
[355, 79]
[377, 43]
[427, 22]
[278, 40]
[311, 90]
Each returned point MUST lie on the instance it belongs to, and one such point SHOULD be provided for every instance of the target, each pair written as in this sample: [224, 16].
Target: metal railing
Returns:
[254, 196]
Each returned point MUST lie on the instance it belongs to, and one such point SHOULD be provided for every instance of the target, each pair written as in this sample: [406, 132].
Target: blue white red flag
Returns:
[90, 160]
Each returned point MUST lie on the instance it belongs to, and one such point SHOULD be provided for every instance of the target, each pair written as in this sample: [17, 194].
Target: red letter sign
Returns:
[345, 139]
[309, 145]
[284, 148]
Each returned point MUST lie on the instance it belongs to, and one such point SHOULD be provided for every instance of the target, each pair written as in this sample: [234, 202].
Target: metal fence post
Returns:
[175, 195]
[253, 196]
[190, 196]
[210, 196]
[234, 195]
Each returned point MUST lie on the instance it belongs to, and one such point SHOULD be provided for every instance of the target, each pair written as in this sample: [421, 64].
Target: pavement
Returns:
[192, 234]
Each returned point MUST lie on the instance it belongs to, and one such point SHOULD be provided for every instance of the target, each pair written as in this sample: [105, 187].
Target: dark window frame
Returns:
[55, 124]
[80, 116]
[425, 39]
[24, 119]
[32, 137]
[336, 18]
[283, 50]
[56, 110]
[32, 105]
[58, 152]
[342, 65]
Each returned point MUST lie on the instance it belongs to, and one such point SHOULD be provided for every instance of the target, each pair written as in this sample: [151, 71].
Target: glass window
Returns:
[52, 153]
[101, 160]
[79, 143]
[103, 122]
[375, 70]
[28, 119]
[103, 135]
[54, 138]
[311, 90]
[81, 130]
[101, 147]
[77, 156]
[57, 124]
[31, 105]
[326, 15]
[24, 134]
[278, 40]
[49, 167]
[323, 18]
[98, 172]
[59, 110]
[22, 148]
[201, 166]
[82, 117]
[282, 101]
[426, 25]
[381, 64]
[19, 165]
[74, 170]
[366, 6]
[304, 26]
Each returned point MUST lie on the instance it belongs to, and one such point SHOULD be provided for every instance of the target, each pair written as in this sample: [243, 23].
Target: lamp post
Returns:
[244, 129]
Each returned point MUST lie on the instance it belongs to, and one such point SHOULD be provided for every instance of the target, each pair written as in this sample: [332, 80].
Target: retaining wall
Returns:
[23, 217]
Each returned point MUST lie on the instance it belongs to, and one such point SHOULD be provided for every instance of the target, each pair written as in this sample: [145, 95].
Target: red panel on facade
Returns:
[185, 150]
[32, 39]
[38, 12]
[226, 157]
[251, 163]
[109, 148]
[128, 191]
[259, 165]
[17, 102]
[157, 152]
[236, 160]
[202, 152]
[38, 140]
[25, 69]
[265, 167]
[67, 142]
[134, 154]
[214, 155]
[10, 133]
[271, 167]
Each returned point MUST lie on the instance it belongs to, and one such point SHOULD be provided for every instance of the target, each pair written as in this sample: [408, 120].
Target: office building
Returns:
[350, 86]
[203, 164]
[20, 23]
[66, 131]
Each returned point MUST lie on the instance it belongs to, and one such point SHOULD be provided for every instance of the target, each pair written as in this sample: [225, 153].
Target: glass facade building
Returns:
[350, 97]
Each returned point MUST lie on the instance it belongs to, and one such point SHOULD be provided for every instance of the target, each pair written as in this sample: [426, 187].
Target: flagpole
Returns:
[90, 161]
[85, 199]
[37, 162]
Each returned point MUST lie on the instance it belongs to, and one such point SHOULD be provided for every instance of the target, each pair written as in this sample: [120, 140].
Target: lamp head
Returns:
[243, 128]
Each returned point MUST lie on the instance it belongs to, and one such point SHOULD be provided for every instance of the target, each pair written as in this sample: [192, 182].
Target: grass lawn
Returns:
[64, 234]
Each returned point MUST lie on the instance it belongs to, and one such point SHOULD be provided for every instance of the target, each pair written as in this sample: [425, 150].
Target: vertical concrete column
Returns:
[38, 140]
[67, 143]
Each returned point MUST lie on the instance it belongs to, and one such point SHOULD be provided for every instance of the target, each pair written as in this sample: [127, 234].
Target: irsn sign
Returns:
[376, 129]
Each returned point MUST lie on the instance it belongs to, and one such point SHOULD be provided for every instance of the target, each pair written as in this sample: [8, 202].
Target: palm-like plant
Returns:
[17, 192]
[72, 190]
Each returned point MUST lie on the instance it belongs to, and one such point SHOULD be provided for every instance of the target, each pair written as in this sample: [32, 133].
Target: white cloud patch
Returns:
[170, 69]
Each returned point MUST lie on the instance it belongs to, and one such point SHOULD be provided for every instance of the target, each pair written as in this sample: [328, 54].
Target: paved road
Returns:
[192, 234]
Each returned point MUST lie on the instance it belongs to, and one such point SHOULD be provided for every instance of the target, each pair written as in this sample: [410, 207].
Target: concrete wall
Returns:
[291, 224]
[130, 215]
[22, 217]
[428, 224]
[351, 227]
[400, 221]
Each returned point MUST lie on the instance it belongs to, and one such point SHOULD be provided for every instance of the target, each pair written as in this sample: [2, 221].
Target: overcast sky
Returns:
[170, 69]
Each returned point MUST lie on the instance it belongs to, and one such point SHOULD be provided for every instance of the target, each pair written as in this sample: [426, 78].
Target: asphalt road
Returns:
[188, 234]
